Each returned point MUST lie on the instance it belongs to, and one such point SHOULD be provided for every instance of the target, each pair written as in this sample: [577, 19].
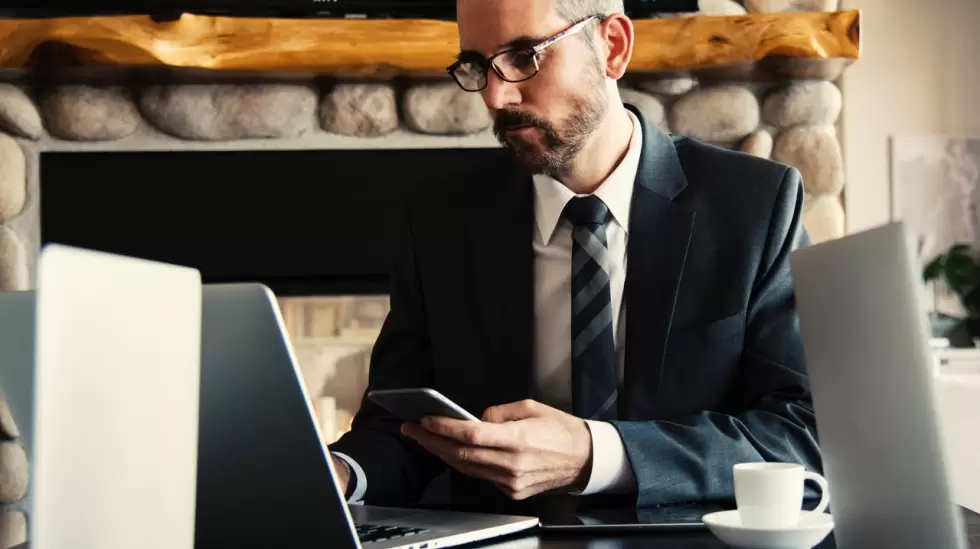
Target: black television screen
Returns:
[441, 9]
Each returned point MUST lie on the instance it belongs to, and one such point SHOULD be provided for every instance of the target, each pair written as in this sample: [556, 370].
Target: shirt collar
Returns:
[616, 192]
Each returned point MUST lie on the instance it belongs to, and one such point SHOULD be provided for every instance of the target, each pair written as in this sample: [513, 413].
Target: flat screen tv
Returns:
[439, 9]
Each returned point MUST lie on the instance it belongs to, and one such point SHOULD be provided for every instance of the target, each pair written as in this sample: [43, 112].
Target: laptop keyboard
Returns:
[376, 532]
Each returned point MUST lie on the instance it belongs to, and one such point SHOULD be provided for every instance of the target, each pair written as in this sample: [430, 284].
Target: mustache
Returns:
[507, 120]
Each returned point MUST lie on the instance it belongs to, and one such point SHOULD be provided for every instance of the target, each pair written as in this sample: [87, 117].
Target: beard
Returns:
[555, 146]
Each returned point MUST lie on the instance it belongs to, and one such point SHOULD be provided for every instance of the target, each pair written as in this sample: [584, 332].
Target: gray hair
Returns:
[575, 10]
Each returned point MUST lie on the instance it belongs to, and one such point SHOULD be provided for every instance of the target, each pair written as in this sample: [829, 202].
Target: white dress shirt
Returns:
[611, 471]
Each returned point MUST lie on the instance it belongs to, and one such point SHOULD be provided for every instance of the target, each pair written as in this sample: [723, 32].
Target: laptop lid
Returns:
[264, 477]
[867, 354]
[115, 412]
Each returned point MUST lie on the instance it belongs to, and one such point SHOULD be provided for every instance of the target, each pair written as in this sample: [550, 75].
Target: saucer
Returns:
[811, 530]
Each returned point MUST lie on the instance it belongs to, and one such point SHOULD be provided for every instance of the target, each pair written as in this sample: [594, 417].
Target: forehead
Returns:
[488, 25]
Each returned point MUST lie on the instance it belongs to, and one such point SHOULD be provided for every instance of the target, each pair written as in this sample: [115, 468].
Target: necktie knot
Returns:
[586, 210]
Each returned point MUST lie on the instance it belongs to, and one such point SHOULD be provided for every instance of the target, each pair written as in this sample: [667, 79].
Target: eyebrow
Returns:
[520, 42]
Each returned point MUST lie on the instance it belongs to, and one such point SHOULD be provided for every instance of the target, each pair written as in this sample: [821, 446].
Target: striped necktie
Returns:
[594, 380]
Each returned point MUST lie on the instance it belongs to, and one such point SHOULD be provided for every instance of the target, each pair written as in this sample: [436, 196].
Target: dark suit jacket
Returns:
[714, 371]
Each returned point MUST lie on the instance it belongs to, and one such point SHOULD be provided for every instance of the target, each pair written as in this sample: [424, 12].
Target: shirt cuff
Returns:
[357, 477]
[611, 470]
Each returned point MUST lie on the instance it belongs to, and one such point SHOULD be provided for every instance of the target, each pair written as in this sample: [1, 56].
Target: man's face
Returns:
[546, 120]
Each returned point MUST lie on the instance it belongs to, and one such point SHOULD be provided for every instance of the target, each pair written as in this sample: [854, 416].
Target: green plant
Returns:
[958, 269]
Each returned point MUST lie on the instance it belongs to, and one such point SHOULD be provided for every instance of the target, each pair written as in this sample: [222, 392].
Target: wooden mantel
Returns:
[792, 44]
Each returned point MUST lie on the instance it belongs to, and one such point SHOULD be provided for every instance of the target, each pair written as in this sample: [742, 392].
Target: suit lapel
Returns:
[660, 233]
[503, 256]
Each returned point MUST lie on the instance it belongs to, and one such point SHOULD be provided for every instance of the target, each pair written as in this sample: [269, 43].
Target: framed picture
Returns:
[935, 189]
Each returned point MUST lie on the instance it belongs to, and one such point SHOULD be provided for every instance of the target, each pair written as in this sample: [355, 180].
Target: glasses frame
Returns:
[533, 51]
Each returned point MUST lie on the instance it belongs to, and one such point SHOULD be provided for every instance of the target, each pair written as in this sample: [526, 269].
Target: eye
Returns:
[523, 60]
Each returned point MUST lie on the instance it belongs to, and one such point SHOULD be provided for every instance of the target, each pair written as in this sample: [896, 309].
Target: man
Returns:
[616, 302]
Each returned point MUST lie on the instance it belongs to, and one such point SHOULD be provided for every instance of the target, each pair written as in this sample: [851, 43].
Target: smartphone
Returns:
[414, 404]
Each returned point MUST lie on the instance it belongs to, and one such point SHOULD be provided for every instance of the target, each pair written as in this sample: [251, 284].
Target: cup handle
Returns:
[824, 490]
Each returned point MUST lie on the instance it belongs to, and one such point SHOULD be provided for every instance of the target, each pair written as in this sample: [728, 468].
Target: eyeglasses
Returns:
[514, 65]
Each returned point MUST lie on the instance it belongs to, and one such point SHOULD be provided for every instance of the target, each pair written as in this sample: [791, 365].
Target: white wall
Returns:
[919, 74]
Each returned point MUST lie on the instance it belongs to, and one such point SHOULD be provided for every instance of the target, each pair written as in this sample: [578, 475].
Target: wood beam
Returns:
[790, 44]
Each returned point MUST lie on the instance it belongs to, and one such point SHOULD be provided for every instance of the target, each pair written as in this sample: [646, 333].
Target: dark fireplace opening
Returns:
[303, 222]
[316, 227]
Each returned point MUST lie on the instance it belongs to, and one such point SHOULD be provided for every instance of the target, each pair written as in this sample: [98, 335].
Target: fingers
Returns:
[518, 475]
[501, 460]
[515, 411]
[531, 485]
[515, 485]
[473, 433]
[519, 487]
[450, 449]
[435, 444]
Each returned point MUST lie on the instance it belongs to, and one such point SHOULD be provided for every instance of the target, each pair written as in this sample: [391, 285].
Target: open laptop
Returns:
[115, 412]
[867, 354]
[118, 352]
[265, 479]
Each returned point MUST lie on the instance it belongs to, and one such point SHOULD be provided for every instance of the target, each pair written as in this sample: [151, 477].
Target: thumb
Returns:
[515, 411]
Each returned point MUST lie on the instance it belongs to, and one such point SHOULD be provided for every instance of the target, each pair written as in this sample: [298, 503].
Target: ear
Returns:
[617, 35]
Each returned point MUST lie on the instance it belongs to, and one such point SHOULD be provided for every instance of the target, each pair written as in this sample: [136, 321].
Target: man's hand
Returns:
[524, 448]
[343, 473]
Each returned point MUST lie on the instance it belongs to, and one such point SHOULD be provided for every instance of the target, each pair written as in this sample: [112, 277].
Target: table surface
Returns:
[660, 540]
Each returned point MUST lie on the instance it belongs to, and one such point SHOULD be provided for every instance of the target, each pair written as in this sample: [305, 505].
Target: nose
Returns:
[500, 94]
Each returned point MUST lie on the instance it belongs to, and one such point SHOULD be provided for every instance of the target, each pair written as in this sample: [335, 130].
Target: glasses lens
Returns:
[518, 65]
[470, 75]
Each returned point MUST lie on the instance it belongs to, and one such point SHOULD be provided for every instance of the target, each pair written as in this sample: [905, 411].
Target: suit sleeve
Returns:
[396, 469]
[691, 459]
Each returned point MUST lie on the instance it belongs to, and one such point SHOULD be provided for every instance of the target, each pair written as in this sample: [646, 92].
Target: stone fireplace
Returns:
[78, 146]
[792, 121]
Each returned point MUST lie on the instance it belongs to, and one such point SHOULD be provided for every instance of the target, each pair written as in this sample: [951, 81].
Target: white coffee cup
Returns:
[770, 495]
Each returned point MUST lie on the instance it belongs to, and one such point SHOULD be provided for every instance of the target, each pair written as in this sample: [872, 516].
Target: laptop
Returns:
[265, 479]
[116, 385]
[249, 470]
[866, 346]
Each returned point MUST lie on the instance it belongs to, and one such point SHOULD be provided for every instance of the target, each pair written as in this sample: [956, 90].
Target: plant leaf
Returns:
[958, 250]
[960, 272]
[934, 268]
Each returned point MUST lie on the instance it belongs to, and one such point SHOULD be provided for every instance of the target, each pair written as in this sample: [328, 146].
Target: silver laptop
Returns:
[867, 354]
[116, 384]
[264, 476]
[114, 370]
